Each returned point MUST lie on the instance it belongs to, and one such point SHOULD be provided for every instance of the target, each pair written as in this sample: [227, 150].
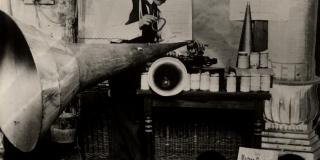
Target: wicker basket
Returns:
[94, 132]
[187, 137]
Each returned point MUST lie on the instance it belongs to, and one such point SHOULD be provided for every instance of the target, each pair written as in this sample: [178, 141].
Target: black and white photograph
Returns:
[159, 80]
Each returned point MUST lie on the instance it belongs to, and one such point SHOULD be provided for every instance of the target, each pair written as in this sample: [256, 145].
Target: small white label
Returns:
[257, 154]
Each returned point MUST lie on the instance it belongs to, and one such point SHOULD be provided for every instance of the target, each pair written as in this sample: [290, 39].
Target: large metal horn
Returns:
[39, 76]
[167, 76]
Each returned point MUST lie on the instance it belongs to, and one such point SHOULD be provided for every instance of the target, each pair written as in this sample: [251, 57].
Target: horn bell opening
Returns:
[167, 76]
[20, 90]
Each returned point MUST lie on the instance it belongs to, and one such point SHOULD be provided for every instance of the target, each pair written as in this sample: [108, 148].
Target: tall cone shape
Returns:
[246, 40]
[39, 76]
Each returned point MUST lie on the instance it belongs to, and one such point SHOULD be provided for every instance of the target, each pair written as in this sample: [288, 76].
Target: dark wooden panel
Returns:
[207, 96]
[208, 104]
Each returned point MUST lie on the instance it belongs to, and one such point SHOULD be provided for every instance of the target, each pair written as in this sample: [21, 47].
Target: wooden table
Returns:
[253, 101]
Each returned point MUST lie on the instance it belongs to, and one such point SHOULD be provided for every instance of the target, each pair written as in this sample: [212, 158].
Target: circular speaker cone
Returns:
[167, 76]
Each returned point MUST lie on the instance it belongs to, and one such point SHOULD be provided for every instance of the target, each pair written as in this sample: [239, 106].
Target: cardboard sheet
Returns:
[256, 154]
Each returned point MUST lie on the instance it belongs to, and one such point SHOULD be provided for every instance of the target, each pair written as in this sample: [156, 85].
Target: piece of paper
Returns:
[97, 17]
[277, 10]
[257, 154]
[105, 19]
[178, 14]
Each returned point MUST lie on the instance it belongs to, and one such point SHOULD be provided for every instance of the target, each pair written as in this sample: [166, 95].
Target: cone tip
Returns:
[246, 40]
[248, 8]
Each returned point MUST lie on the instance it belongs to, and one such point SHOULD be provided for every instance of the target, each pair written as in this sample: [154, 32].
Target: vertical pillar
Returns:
[295, 103]
[70, 29]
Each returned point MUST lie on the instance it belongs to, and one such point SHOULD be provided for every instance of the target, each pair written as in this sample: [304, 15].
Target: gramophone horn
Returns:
[39, 75]
[167, 76]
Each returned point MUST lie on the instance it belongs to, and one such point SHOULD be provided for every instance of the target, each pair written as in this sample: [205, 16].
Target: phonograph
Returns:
[167, 76]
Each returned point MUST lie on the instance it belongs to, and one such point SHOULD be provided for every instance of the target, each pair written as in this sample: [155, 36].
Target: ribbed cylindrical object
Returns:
[292, 104]
[291, 43]
[291, 46]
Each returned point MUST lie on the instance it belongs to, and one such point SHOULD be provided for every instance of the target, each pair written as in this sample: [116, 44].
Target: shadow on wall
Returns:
[211, 24]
